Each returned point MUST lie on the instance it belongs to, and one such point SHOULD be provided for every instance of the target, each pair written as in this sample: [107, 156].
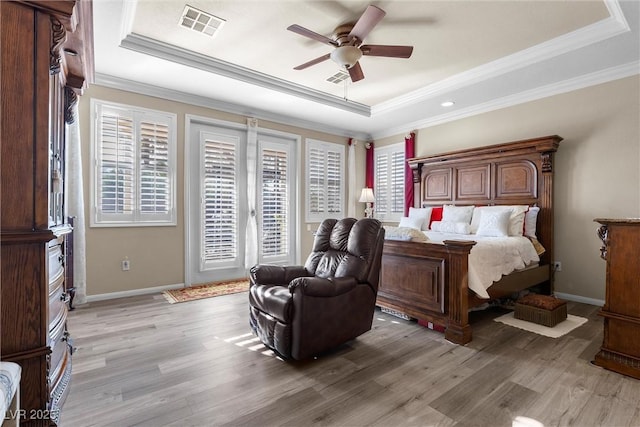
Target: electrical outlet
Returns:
[125, 264]
[557, 266]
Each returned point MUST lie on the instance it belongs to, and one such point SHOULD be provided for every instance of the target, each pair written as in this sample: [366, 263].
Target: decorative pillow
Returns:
[407, 221]
[516, 219]
[404, 234]
[450, 227]
[530, 221]
[494, 223]
[436, 214]
[424, 213]
[452, 213]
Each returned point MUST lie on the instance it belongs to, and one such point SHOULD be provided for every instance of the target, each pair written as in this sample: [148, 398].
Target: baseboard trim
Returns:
[133, 292]
[578, 298]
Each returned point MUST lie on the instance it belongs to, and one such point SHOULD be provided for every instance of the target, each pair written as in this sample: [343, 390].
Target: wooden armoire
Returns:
[46, 59]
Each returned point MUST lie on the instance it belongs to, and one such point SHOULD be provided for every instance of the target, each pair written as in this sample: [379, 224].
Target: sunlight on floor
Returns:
[521, 421]
[251, 342]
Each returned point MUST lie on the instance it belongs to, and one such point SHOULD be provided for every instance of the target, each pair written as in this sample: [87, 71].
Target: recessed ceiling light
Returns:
[448, 104]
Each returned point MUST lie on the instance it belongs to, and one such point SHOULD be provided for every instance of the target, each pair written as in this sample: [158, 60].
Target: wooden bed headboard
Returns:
[515, 173]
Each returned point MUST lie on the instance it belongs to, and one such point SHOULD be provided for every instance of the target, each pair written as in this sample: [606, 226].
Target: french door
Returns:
[226, 230]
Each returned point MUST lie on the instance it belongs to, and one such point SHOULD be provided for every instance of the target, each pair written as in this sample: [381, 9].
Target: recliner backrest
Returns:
[347, 247]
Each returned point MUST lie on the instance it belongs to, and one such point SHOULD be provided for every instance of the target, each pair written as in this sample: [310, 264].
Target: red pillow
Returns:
[436, 215]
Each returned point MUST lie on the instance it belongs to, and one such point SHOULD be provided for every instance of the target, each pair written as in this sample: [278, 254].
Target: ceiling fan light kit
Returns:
[346, 56]
[347, 41]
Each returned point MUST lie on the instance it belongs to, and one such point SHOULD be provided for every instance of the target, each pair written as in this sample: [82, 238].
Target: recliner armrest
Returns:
[265, 274]
[319, 287]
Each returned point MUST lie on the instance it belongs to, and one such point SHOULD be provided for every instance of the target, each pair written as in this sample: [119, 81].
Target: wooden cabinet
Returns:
[46, 61]
[620, 349]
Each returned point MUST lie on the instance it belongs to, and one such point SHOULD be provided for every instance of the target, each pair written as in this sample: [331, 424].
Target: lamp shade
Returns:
[367, 196]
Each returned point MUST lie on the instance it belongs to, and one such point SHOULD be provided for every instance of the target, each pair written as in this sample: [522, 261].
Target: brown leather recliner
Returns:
[301, 311]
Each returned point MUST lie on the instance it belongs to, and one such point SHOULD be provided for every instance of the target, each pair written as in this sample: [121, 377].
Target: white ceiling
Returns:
[483, 55]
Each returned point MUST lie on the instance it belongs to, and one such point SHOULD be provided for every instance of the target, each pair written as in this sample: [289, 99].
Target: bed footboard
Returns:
[428, 281]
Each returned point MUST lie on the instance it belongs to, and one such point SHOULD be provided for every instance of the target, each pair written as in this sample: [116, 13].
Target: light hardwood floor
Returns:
[142, 361]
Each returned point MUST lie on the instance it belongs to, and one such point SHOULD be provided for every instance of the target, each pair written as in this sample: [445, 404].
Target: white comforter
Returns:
[491, 257]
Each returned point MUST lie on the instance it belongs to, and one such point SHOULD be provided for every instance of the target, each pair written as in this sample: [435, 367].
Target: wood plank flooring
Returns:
[143, 362]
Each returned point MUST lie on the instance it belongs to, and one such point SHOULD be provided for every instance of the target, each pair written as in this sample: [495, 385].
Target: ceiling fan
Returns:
[348, 42]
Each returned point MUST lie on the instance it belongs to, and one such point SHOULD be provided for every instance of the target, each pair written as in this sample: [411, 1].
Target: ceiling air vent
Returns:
[338, 77]
[201, 22]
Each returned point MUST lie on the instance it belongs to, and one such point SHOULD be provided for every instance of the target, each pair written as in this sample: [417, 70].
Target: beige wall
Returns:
[597, 167]
[157, 254]
[597, 174]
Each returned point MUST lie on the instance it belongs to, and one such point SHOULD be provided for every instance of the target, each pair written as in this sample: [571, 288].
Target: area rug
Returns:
[207, 290]
[559, 330]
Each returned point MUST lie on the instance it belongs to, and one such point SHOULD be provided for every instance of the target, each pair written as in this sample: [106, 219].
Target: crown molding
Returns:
[202, 101]
[148, 46]
[612, 26]
[557, 88]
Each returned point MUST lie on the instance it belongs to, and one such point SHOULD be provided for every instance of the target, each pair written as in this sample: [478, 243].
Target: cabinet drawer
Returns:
[59, 351]
[56, 264]
[57, 302]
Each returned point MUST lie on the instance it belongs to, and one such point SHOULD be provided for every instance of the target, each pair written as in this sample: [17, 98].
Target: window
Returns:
[133, 178]
[276, 182]
[325, 180]
[389, 182]
[219, 201]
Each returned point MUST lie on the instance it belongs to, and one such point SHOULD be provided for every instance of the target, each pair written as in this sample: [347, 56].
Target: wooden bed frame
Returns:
[428, 281]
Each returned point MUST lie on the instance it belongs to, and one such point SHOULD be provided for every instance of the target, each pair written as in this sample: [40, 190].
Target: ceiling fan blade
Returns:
[356, 73]
[312, 35]
[367, 21]
[312, 62]
[385, 50]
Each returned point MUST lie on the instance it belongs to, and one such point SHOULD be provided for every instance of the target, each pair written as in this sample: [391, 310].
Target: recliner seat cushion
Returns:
[275, 300]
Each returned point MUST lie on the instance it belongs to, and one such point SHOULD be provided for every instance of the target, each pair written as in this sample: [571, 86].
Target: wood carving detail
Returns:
[59, 34]
[546, 162]
[603, 235]
[70, 100]
[416, 175]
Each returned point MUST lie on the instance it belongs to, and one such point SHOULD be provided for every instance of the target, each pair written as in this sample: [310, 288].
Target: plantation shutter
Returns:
[275, 203]
[219, 200]
[397, 183]
[154, 168]
[334, 169]
[315, 182]
[389, 182]
[116, 169]
[325, 180]
[382, 187]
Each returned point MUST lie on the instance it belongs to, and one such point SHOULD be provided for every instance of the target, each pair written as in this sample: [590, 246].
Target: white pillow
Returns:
[407, 221]
[450, 227]
[530, 221]
[424, 213]
[516, 219]
[452, 213]
[494, 223]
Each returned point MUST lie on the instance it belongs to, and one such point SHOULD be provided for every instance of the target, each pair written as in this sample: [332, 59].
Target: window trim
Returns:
[325, 147]
[137, 218]
[388, 150]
